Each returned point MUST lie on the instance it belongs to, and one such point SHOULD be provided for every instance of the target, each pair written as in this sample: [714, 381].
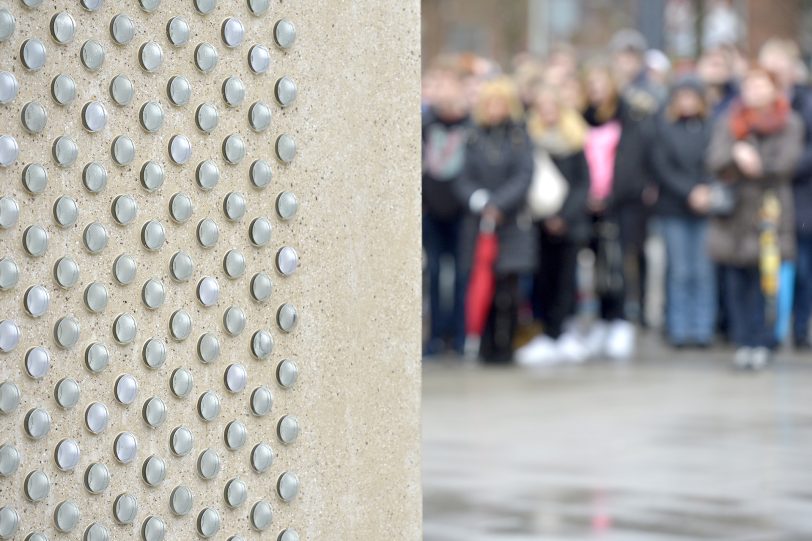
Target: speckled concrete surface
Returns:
[356, 122]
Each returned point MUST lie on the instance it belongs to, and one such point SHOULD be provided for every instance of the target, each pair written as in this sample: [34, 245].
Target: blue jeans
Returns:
[803, 289]
[690, 281]
[746, 308]
[447, 311]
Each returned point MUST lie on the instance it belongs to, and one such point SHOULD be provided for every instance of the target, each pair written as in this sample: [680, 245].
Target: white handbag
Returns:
[548, 189]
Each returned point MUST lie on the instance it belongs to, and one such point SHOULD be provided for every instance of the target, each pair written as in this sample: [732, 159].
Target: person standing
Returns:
[445, 131]
[616, 148]
[755, 148]
[558, 134]
[783, 58]
[678, 158]
[493, 188]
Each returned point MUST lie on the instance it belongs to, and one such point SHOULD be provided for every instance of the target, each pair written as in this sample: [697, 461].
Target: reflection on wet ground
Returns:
[674, 447]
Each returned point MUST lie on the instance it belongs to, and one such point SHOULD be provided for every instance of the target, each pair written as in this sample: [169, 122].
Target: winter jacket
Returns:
[802, 180]
[500, 160]
[443, 160]
[678, 162]
[734, 240]
[575, 170]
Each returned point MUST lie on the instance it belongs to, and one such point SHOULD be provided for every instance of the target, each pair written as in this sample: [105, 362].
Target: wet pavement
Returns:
[672, 447]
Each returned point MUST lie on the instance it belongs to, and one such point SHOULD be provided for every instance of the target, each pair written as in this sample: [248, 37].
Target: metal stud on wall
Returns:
[146, 181]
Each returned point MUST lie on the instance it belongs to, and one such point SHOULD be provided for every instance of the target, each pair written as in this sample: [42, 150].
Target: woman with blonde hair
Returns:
[558, 133]
[493, 188]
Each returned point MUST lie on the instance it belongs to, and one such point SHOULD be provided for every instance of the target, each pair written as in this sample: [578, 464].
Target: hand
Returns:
[700, 199]
[747, 159]
[555, 226]
[492, 214]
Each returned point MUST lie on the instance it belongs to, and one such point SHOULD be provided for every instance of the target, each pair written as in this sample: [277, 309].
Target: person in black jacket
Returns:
[445, 132]
[782, 58]
[493, 187]
[559, 133]
[616, 149]
[678, 157]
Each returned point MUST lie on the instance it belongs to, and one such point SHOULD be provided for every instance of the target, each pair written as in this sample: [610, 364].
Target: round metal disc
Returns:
[63, 28]
[67, 454]
[154, 471]
[284, 33]
[260, 174]
[235, 493]
[9, 273]
[181, 383]
[153, 294]
[149, 5]
[232, 32]
[153, 235]
[288, 429]
[154, 412]
[180, 208]
[261, 401]
[9, 460]
[154, 353]
[204, 7]
[126, 389]
[125, 269]
[7, 24]
[37, 486]
[125, 447]
[287, 205]
[32, 54]
[97, 357]
[235, 435]
[233, 91]
[66, 272]
[96, 532]
[287, 260]
[207, 233]
[92, 55]
[97, 478]
[37, 423]
[261, 287]
[234, 320]
[208, 348]
[123, 150]
[181, 441]
[153, 529]
[10, 335]
[233, 149]
[287, 373]
[66, 332]
[208, 291]
[94, 116]
[285, 148]
[259, 59]
[178, 31]
[152, 176]
[289, 535]
[208, 464]
[36, 301]
[9, 150]
[234, 264]
[35, 240]
[180, 325]
[259, 116]
[205, 57]
[287, 317]
[181, 266]
[261, 516]
[122, 29]
[34, 117]
[9, 397]
[234, 206]
[179, 91]
[207, 117]
[180, 149]
[151, 116]
[260, 232]
[125, 508]
[66, 516]
[94, 177]
[181, 500]
[96, 417]
[258, 7]
[288, 486]
[124, 329]
[261, 457]
[65, 211]
[207, 175]
[208, 406]
[35, 178]
[262, 344]
[9, 86]
[208, 522]
[285, 91]
[66, 393]
[96, 297]
[236, 378]
[63, 89]
[151, 56]
[122, 90]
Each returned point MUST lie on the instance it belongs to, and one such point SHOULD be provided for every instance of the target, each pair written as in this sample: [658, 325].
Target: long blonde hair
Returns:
[570, 130]
[501, 88]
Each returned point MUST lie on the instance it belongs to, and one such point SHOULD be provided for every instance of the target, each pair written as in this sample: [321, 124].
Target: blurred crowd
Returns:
[547, 190]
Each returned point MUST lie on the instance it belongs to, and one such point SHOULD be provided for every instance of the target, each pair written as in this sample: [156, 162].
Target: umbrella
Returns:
[481, 286]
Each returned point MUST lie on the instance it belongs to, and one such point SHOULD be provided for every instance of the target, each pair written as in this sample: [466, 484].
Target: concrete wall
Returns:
[355, 122]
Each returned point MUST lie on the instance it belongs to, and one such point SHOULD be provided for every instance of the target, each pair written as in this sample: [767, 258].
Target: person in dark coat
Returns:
[755, 147]
[445, 132]
[558, 132]
[616, 149]
[678, 159]
[493, 188]
[782, 58]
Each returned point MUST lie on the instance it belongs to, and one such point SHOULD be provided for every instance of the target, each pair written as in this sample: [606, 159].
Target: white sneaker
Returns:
[620, 340]
[742, 357]
[760, 358]
[595, 339]
[572, 347]
[539, 351]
